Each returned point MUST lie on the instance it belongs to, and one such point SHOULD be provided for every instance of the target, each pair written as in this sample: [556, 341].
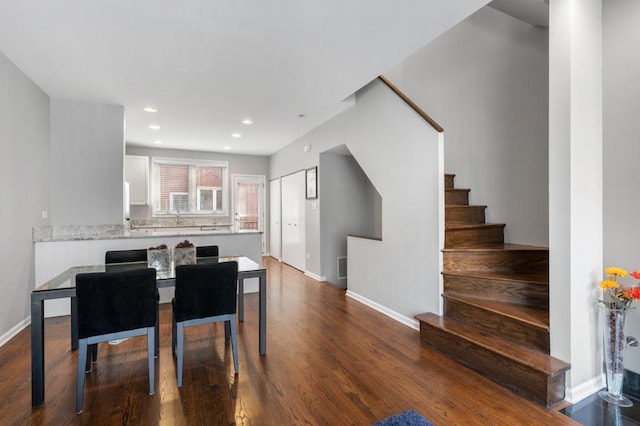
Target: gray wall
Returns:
[486, 82]
[24, 170]
[398, 152]
[350, 206]
[87, 148]
[621, 128]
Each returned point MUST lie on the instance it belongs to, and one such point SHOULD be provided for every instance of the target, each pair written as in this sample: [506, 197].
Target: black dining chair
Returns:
[117, 257]
[205, 293]
[113, 305]
[207, 251]
[125, 256]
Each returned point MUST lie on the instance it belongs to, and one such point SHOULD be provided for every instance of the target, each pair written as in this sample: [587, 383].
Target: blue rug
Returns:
[406, 418]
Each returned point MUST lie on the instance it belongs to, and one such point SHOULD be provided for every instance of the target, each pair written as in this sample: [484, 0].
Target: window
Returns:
[185, 186]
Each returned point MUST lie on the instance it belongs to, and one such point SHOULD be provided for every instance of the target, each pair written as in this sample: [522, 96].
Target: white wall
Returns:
[621, 104]
[399, 153]
[87, 156]
[575, 193]
[24, 173]
[486, 82]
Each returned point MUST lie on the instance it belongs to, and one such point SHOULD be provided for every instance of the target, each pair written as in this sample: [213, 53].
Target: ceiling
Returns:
[206, 65]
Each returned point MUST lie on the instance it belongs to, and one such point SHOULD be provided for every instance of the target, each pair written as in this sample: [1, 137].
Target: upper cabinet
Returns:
[136, 172]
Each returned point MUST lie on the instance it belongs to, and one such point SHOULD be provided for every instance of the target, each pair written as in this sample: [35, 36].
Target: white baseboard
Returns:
[315, 277]
[583, 390]
[409, 322]
[15, 330]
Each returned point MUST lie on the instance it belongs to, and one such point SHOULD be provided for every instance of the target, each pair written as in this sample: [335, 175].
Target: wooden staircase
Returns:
[496, 304]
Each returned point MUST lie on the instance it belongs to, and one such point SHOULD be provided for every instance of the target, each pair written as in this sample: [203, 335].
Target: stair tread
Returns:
[465, 206]
[523, 355]
[498, 247]
[535, 317]
[459, 226]
[458, 190]
[540, 278]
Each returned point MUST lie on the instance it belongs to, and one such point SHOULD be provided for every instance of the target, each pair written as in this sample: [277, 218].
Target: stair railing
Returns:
[412, 104]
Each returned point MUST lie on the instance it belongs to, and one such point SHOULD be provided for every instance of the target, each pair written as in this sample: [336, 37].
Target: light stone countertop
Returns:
[115, 232]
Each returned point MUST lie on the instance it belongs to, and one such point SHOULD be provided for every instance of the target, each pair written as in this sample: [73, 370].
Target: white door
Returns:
[274, 219]
[293, 215]
[248, 204]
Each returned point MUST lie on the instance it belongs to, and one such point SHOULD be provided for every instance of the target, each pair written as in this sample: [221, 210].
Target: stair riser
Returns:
[532, 384]
[523, 293]
[515, 261]
[473, 237]
[460, 198]
[464, 215]
[448, 181]
[495, 323]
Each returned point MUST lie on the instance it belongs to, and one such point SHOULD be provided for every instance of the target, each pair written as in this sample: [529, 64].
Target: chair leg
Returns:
[227, 331]
[82, 359]
[180, 345]
[88, 365]
[157, 329]
[173, 334]
[94, 353]
[151, 347]
[234, 342]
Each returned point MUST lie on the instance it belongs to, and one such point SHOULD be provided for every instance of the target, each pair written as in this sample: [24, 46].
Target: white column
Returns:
[575, 188]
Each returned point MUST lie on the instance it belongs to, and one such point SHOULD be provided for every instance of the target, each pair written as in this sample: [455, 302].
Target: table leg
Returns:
[37, 352]
[74, 323]
[241, 299]
[263, 314]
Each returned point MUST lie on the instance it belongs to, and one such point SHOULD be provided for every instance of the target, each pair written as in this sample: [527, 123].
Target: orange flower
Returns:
[636, 275]
[634, 293]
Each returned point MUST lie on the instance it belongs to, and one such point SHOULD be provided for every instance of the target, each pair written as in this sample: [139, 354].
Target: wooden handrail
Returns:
[412, 104]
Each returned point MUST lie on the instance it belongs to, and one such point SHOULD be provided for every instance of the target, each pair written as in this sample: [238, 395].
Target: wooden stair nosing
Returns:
[472, 226]
[534, 384]
[535, 279]
[520, 354]
[471, 258]
[518, 292]
[505, 310]
[467, 190]
[497, 247]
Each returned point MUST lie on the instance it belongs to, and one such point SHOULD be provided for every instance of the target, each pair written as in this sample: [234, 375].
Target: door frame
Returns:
[260, 179]
[275, 205]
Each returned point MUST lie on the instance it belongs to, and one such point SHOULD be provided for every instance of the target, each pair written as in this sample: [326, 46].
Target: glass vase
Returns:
[614, 345]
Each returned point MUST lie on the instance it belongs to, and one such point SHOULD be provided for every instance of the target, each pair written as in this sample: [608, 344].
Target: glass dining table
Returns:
[63, 286]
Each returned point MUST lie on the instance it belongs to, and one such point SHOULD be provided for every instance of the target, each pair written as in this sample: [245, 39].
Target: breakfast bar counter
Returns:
[61, 249]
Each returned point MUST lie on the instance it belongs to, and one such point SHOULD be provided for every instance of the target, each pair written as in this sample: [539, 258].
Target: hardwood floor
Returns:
[330, 361]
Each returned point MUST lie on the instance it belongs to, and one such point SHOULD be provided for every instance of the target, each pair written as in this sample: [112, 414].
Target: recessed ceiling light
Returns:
[247, 121]
[227, 147]
[236, 135]
[158, 142]
[154, 126]
[150, 109]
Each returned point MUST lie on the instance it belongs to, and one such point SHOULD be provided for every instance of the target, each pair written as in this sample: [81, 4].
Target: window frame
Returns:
[156, 162]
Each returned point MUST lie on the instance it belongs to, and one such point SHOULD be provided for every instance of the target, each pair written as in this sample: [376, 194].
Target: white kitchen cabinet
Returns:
[136, 172]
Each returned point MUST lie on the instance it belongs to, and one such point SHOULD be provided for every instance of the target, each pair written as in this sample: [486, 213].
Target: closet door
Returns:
[275, 229]
[293, 230]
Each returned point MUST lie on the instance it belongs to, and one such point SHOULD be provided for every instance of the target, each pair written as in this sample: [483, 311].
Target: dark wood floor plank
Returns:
[330, 361]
